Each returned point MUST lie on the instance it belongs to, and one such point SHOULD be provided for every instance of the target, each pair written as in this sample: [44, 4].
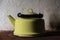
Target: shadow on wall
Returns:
[52, 14]
[55, 26]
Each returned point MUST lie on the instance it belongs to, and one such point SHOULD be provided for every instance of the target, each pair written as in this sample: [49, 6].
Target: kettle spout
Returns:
[12, 20]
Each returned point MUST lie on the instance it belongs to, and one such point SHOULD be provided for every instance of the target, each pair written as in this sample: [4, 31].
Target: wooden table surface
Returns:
[8, 35]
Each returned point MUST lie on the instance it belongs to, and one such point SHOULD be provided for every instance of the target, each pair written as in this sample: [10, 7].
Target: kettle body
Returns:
[24, 27]
[27, 26]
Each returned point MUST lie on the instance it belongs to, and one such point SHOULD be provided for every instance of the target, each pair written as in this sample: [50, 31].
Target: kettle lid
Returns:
[28, 12]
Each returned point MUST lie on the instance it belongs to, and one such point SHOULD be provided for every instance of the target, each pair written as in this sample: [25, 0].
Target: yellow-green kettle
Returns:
[26, 27]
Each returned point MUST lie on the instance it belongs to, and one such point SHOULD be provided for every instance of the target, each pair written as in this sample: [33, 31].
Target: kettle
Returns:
[27, 24]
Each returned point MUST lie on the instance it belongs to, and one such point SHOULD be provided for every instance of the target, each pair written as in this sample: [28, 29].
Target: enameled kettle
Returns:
[27, 24]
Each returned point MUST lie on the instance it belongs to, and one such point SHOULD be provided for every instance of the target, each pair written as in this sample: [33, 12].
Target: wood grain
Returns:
[8, 35]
